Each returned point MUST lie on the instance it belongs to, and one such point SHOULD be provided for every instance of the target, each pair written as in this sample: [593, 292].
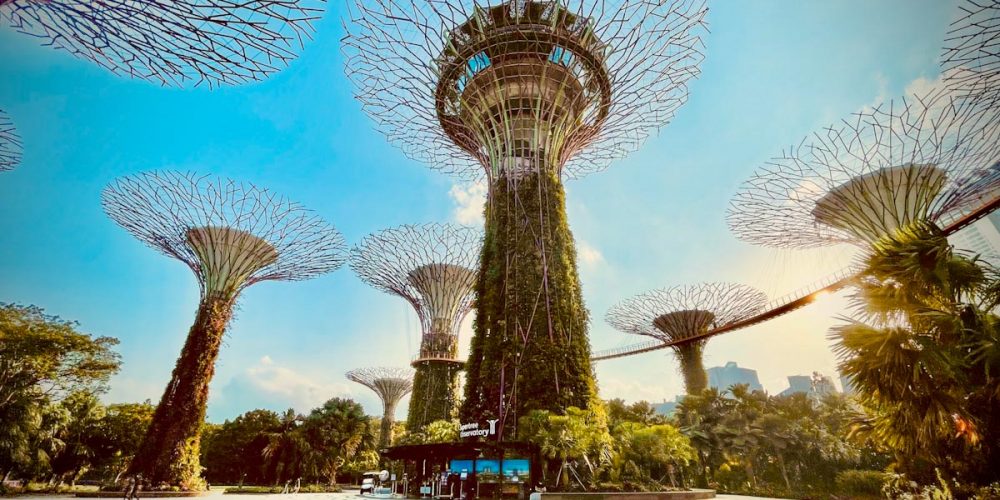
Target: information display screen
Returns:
[487, 466]
[457, 466]
[516, 467]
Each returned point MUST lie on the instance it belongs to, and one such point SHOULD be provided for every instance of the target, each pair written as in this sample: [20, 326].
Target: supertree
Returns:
[231, 235]
[522, 93]
[918, 159]
[391, 384]
[681, 316]
[219, 42]
[10, 144]
[971, 61]
[433, 267]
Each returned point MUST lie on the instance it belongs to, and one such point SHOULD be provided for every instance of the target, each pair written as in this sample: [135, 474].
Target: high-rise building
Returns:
[815, 386]
[981, 238]
[722, 378]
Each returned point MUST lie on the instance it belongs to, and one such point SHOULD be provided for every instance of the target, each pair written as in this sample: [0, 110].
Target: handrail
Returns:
[789, 302]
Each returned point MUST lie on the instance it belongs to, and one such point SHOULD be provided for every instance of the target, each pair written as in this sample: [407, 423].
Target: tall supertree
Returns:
[681, 316]
[218, 42]
[918, 159]
[231, 235]
[971, 61]
[10, 144]
[391, 384]
[433, 267]
[523, 93]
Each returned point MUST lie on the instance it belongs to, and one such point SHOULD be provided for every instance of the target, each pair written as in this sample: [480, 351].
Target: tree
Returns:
[119, 436]
[333, 433]
[43, 358]
[923, 353]
[79, 435]
[234, 452]
[284, 448]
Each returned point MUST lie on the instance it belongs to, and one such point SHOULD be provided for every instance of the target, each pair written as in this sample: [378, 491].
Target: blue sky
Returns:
[774, 71]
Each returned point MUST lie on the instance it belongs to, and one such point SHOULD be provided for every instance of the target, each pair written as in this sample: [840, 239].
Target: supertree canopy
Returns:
[391, 384]
[231, 235]
[433, 267]
[10, 144]
[523, 93]
[915, 159]
[971, 61]
[219, 42]
[681, 316]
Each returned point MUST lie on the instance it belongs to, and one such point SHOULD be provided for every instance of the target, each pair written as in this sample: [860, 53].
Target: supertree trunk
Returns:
[530, 348]
[385, 431]
[690, 357]
[434, 388]
[169, 453]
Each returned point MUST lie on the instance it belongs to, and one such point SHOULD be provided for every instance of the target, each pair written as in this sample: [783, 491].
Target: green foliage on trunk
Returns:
[435, 394]
[690, 357]
[530, 350]
[170, 452]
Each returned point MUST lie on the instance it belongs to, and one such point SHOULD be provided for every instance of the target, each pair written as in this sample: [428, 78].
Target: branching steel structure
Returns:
[674, 315]
[433, 267]
[390, 384]
[619, 70]
[231, 235]
[10, 144]
[971, 61]
[921, 158]
[524, 94]
[219, 42]
[793, 301]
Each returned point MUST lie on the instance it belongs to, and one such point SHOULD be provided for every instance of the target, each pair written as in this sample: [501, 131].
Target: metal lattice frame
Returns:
[916, 158]
[674, 314]
[467, 86]
[10, 144]
[971, 61]
[432, 266]
[391, 385]
[219, 42]
[231, 234]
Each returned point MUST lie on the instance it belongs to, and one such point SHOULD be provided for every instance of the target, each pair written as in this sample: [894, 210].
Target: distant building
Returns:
[846, 385]
[815, 386]
[797, 384]
[722, 378]
[667, 408]
[981, 238]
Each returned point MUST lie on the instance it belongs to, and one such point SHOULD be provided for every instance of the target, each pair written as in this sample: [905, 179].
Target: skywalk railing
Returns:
[796, 299]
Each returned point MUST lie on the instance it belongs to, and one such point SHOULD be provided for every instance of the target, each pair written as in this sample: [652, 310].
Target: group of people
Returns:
[133, 485]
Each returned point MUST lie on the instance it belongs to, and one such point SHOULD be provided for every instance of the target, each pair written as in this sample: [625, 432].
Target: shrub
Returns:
[860, 483]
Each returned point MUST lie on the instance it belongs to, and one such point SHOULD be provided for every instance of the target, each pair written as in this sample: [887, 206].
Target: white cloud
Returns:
[469, 201]
[268, 384]
[589, 255]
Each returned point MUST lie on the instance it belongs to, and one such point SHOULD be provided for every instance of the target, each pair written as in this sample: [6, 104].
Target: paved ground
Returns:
[347, 495]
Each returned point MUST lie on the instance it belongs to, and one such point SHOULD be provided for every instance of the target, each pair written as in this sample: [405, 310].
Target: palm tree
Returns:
[283, 453]
[923, 353]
